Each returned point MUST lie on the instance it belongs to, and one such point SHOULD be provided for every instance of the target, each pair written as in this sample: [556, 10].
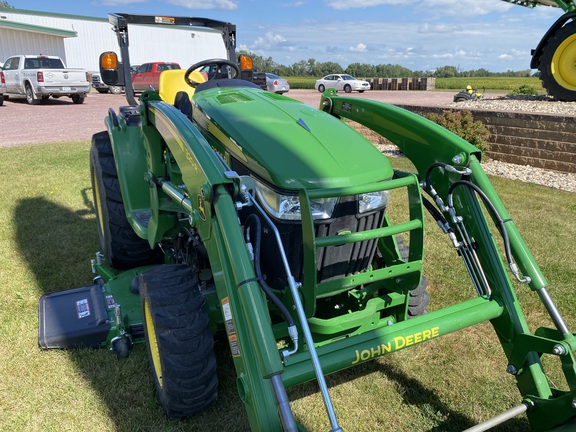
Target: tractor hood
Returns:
[286, 142]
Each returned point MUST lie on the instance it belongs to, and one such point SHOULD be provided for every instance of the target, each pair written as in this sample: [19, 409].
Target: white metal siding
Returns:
[15, 42]
[147, 43]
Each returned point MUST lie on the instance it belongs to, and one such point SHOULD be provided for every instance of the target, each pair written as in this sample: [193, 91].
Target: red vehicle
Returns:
[148, 75]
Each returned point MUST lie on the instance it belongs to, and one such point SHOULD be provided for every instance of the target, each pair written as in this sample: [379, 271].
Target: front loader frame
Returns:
[212, 196]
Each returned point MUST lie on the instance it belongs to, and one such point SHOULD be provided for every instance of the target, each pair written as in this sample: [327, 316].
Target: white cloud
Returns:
[120, 2]
[427, 28]
[360, 4]
[270, 42]
[360, 48]
[205, 4]
[471, 8]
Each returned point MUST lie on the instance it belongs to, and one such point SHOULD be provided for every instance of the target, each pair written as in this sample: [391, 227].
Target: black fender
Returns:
[537, 53]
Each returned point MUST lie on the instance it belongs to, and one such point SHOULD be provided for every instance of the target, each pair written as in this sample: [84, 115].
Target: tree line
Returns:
[313, 68]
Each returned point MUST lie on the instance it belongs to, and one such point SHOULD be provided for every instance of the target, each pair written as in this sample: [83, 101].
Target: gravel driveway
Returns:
[59, 120]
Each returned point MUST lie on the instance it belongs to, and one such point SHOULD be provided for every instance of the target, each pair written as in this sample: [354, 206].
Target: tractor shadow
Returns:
[413, 394]
[57, 244]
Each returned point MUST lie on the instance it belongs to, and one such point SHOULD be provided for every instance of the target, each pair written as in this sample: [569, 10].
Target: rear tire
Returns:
[557, 71]
[30, 96]
[179, 344]
[121, 247]
[78, 99]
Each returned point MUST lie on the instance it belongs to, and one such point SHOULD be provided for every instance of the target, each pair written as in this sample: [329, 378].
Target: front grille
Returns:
[332, 262]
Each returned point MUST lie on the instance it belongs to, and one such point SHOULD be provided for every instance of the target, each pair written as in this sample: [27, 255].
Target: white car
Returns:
[341, 82]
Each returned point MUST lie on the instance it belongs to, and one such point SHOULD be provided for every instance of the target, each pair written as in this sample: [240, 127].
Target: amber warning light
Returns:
[163, 20]
[245, 62]
[109, 61]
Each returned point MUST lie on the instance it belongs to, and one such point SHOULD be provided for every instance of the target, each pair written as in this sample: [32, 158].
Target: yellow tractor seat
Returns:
[172, 81]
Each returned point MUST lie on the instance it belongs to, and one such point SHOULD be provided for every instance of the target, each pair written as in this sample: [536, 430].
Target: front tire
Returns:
[321, 88]
[121, 247]
[558, 64]
[347, 88]
[115, 89]
[419, 299]
[179, 344]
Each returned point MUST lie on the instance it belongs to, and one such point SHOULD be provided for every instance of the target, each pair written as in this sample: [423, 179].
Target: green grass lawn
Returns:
[48, 236]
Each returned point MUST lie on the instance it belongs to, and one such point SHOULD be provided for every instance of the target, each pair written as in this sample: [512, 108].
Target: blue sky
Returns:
[417, 34]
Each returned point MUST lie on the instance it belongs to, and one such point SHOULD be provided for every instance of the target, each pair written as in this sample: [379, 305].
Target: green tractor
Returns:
[222, 207]
[555, 55]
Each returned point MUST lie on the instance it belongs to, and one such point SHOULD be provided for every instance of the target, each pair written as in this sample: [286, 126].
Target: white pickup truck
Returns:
[37, 77]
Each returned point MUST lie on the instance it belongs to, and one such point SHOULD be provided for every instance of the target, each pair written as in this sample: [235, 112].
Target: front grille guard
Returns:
[312, 289]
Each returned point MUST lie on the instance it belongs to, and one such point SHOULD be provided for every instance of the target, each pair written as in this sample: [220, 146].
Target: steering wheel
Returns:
[219, 63]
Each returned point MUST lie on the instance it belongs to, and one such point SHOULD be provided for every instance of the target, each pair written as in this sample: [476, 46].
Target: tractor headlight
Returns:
[287, 207]
[372, 201]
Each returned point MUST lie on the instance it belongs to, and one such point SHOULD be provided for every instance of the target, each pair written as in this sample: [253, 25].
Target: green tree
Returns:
[300, 68]
[328, 68]
[361, 70]
[312, 67]
[392, 71]
[4, 4]
[446, 72]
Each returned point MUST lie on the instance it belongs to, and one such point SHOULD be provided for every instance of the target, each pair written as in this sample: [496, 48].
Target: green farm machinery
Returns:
[555, 55]
[224, 208]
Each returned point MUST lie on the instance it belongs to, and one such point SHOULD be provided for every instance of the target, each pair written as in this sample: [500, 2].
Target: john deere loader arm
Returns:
[450, 173]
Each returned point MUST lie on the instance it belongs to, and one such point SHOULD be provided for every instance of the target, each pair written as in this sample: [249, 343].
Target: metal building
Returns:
[79, 40]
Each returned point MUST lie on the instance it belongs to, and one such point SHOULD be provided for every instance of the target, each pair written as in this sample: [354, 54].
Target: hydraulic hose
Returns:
[255, 220]
[498, 220]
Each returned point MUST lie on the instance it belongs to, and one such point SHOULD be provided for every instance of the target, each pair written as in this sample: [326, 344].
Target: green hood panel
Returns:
[286, 142]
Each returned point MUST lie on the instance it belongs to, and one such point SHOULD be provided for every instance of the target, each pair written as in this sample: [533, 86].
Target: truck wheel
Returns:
[78, 99]
[120, 245]
[557, 71]
[178, 340]
[30, 96]
[115, 89]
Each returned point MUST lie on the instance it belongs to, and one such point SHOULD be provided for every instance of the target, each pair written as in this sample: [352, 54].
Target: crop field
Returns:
[488, 83]
[459, 83]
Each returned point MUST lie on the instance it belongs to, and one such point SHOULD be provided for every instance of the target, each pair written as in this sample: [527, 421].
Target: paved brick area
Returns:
[58, 120]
